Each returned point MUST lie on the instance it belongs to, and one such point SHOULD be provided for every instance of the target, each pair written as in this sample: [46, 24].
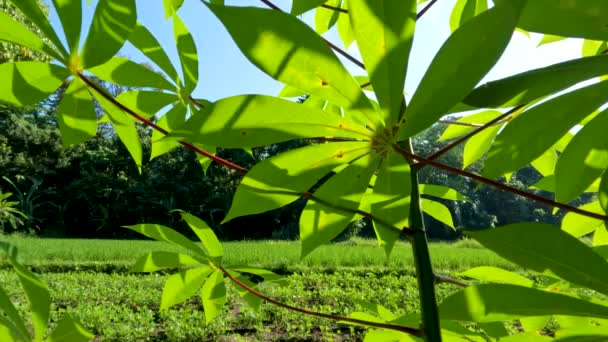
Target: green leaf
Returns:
[527, 136]
[171, 7]
[188, 56]
[438, 211]
[69, 329]
[300, 6]
[70, 14]
[27, 83]
[495, 330]
[253, 301]
[603, 192]
[120, 70]
[600, 239]
[7, 307]
[143, 40]
[385, 30]
[545, 164]
[578, 225]
[593, 47]
[566, 18]
[452, 73]
[281, 179]
[326, 18]
[504, 302]
[496, 275]
[390, 200]
[534, 84]
[76, 115]
[534, 324]
[204, 160]
[441, 191]
[291, 52]
[455, 131]
[289, 91]
[38, 297]
[162, 233]
[34, 13]
[519, 243]
[478, 145]
[583, 161]
[145, 103]
[257, 120]
[173, 119]
[183, 285]
[548, 39]
[112, 23]
[159, 260]
[345, 29]
[205, 234]
[319, 223]
[15, 32]
[125, 129]
[526, 337]
[214, 295]
[465, 10]
[9, 331]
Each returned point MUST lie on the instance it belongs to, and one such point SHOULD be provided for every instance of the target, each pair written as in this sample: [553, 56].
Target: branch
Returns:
[333, 8]
[154, 126]
[465, 137]
[400, 328]
[498, 185]
[424, 10]
[440, 278]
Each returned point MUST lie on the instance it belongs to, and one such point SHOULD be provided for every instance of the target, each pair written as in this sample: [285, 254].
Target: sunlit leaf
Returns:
[162, 233]
[566, 18]
[143, 39]
[603, 192]
[70, 14]
[495, 330]
[452, 73]
[593, 47]
[519, 243]
[122, 71]
[438, 211]
[319, 223]
[600, 239]
[441, 191]
[465, 10]
[455, 130]
[345, 30]
[534, 324]
[112, 23]
[38, 297]
[503, 302]
[69, 329]
[160, 260]
[385, 30]
[578, 225]
[15, 32]
[289, 91]
[188, 56]
[281, 179]
[145, 103]
[205, 234]
[478, 145]
[257, 120]
[253, 301]
[300, 6]
[27, 83]
[214, 295]
[76, 115]
[326, 18]
[171, 7]
[9, 331]
[548, 39]
[183, 285]
[173, 119]
[289, 51]
[33, 12]
[545, 164]
[204, 161]
[531, 85]
[583, 161]
[496, 275]
[8, 308]
[527, 136]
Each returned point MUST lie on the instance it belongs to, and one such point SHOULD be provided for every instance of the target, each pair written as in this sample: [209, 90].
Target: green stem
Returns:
[424, 268]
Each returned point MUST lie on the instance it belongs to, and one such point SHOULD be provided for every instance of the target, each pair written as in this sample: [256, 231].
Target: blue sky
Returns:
[225, 72]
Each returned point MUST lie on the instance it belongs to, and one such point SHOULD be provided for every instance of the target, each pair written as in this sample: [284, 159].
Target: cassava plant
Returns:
[363, 163]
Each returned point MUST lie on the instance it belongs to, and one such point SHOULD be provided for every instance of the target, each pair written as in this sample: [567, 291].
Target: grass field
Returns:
[88, 279]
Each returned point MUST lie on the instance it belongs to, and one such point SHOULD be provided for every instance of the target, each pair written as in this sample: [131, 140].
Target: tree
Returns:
[364, 164]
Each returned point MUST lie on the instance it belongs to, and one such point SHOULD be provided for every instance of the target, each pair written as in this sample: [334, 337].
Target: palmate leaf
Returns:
[344, 27]
[146, 102]
[38, 297]
[8, 308]
[69, 329]
[463, 60]
[173, 119]
[465, 10]
[384, 30]
[479, 144]
[455, 131]
[583, 161]
[122, 71]
[279, 180]
[291, 52]
[213, 295]
[27, 83]
[301, 6]
[438, 211]
[545, 164]
[205, 234]
[70, 14]
[171, 7]
[496, 275]
[441, 191]
[257, 120]
[143, 40]
[527, 136]
[15, 32]
[503, 302]
[578, 225]
[183, 285]
[76, 115]
[160, 260]
[326, 18]
[319, 223]
[566, 18]
[519, 243]
[534, 84]
[112, 23]
[162, 233]
[253, 301]
[188, 56]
